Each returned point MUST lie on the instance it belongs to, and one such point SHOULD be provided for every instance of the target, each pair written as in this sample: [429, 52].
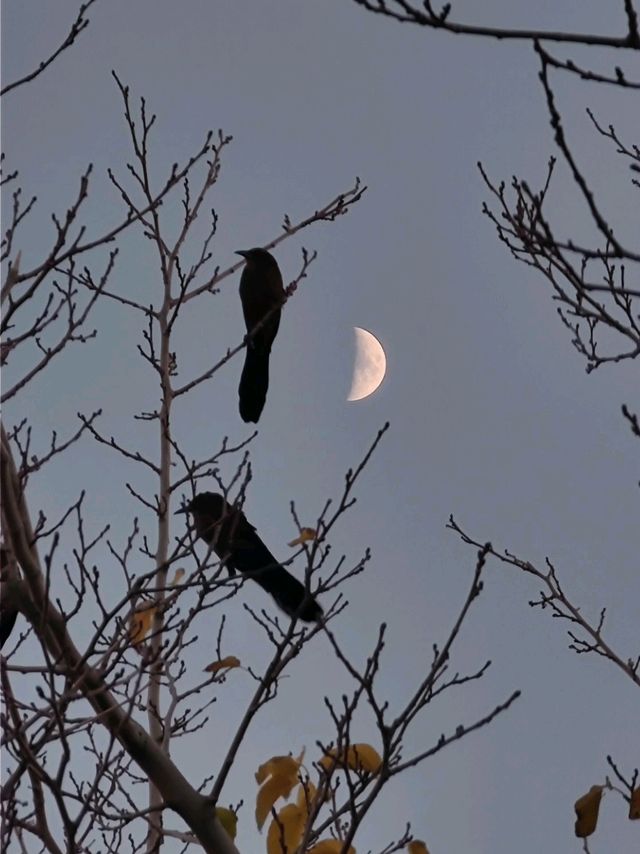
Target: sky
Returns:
[493, 417]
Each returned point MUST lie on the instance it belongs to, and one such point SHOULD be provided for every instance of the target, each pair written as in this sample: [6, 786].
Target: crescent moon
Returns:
[369, 367]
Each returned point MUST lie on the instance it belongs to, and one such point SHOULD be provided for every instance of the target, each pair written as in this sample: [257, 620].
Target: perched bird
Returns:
[261, 294]
[235, 541]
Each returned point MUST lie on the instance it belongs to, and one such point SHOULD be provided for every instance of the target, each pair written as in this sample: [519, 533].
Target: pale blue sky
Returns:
[493, 417]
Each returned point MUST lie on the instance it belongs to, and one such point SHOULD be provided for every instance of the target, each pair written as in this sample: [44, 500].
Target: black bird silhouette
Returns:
[261, 294]
[7, 622]
[235, 541]
[8, 610]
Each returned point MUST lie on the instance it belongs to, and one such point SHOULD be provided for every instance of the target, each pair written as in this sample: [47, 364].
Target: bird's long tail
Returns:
[254, 383]
[289, 594]
[258, 562]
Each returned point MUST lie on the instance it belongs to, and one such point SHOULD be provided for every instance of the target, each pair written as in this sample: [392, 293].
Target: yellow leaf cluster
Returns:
[306, 534]
[140, 623]
[277, 777]
[587, 808]
[359, 757]
[286, 830]
[228, 819]
[225, 663]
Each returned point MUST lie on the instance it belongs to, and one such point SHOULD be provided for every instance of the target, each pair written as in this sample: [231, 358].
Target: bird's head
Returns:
[209, 504]
[258, 257]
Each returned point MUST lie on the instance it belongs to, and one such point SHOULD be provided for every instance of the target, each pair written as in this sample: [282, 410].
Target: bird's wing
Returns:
[234, 534]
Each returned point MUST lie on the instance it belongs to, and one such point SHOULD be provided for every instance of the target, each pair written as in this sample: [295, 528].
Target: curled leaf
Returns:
[275, 787]
[14, 270]
[140, 623]
[177, 578]
[225, 663]
[278, 775]
[306, 534]
[417, 846]
[587, 808]
[279, 765]
[286, 829]
[228, 819]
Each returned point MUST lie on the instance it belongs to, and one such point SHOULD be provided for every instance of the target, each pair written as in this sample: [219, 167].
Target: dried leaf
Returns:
[225, 663]
[417, 846]
[634, 805]
[587, 808]
[359, 757]
[306, 534]
[290, 826]
[228, 819]
[140, 623]
[14, 270]
[330, 846]
[177, 578]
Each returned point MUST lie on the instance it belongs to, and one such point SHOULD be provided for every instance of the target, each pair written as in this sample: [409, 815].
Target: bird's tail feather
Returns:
[289, 593]
[254, 383]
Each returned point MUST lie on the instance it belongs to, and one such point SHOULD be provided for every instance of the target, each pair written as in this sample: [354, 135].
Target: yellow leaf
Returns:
[587, 808]
[363, 756]
[417, 846]
[306, 795]
[140, 623]
[329, 846]
[283, 765]
[228, 819]
[281, 775]
[276, 787]
[289, 826]
[359, 757]
[177, 578]
[224, 663]
[305, 535]
[634, 805]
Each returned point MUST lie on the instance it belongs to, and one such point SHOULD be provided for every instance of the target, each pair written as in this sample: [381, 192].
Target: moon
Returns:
[369, 367]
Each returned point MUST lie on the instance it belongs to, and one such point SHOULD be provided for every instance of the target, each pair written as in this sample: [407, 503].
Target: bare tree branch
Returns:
[427, 16]
[81, 22]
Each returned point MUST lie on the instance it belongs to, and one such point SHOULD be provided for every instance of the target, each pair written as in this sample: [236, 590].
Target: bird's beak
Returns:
[184, 509]
[243, 252]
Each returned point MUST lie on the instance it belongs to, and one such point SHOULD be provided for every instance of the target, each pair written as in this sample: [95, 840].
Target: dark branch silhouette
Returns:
[81, 23]
[426, 15]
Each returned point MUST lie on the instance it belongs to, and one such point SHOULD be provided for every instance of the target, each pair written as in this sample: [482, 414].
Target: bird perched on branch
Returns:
[262, 295]
[234, 539]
